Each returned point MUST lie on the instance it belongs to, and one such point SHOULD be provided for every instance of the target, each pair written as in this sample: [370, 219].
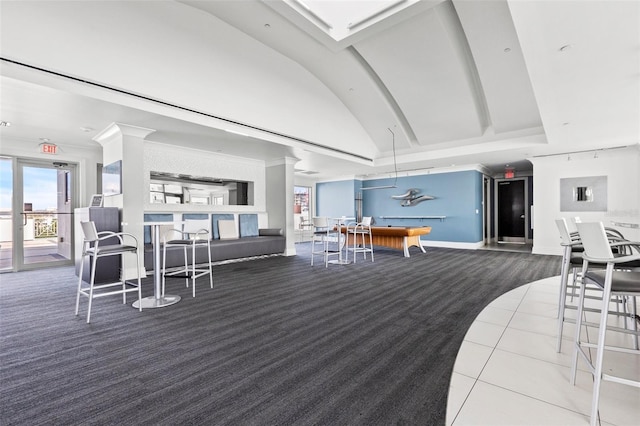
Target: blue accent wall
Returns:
[336, 199]
[458, 195]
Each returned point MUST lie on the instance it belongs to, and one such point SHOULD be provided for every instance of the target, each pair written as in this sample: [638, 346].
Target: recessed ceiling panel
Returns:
[426, 68]
[496, 52]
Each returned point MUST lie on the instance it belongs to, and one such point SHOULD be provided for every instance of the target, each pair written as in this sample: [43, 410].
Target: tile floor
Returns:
[508, 371]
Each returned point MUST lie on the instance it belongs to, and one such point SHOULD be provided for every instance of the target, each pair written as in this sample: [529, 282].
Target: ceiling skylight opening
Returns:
[341, 19]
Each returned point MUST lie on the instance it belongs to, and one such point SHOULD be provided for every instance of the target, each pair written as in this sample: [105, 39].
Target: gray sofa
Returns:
[251, 240]
[269, 241]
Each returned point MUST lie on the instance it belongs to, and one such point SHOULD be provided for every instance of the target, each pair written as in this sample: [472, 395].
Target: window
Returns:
[301, 207]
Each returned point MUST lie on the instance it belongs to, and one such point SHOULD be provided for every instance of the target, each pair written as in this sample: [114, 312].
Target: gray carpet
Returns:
[277, 342]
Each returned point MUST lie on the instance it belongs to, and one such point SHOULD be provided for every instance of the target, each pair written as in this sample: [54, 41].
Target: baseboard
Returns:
[451, 244]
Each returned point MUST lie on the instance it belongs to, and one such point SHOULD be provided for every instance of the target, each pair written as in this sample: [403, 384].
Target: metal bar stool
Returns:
[91, 248]
[611, 282]
[193, 235]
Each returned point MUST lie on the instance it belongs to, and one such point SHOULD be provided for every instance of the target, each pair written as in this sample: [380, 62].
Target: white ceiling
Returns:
[457, 82]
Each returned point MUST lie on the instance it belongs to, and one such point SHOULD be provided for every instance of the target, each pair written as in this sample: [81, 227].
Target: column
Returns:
[280, 198]
[126, 143]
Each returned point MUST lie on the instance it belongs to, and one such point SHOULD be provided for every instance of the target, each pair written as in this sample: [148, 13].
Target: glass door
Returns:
[43, 214]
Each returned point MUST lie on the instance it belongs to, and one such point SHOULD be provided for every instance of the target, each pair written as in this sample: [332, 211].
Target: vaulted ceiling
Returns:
[347, 87]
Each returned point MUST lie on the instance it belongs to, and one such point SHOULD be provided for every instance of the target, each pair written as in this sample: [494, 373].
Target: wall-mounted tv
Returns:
[112, 178]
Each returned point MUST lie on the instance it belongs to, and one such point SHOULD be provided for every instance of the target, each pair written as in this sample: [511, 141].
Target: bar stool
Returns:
[93, 237]
[358, 232]
[193, 235]
[572, 262]
[323, 232]
[612, 283]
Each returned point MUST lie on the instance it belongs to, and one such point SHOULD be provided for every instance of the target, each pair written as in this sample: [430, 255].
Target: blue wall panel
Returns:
[336, 199]
[458, 197]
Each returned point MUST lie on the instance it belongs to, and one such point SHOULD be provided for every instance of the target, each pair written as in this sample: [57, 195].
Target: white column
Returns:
[280, 198]
[124, 142]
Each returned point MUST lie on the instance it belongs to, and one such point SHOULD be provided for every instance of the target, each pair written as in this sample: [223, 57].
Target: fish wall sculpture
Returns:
[411, 197]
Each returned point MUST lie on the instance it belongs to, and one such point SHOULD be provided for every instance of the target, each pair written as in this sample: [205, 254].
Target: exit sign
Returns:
[49, 148]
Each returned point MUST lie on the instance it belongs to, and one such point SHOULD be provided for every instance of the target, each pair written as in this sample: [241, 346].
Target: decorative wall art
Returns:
[410, 198]
[584, 194]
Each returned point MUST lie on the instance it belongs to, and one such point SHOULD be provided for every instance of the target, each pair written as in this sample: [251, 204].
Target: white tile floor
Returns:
[508, 372]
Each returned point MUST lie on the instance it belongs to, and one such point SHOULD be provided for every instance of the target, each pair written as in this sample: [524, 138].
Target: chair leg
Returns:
[577, 347]
[123, 278]
[364, 245]
[186, 267]
[575, 285]
[193, 269]
[563, 297]
[371, 244]
[563, 267]
[210, 267]
[326, 251]
[634, 322]
[313, 243]
[79, 283]
[355, 246]
[140, 283]
[163, 269]
[91, 283]
[602, 332]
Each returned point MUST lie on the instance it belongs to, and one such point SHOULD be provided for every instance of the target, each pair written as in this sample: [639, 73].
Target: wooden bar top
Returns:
[397, 231]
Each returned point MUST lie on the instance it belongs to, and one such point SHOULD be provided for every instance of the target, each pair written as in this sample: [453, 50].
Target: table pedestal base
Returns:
[152, 302]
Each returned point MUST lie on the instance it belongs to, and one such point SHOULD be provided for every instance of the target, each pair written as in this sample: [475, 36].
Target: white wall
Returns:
[87, 160]
[622, 168]
[171, 159]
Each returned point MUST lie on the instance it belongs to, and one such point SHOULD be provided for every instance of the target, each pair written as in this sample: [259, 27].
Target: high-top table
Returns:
[341, 222]
[157, 300]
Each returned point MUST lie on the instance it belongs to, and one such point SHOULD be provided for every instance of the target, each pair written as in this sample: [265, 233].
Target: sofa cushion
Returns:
[222, 250]
[227, 229]
[214, 221]
[248, 225]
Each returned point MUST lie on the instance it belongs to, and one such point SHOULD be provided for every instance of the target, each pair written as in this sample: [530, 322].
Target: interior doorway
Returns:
[511, 218]
[487, 235]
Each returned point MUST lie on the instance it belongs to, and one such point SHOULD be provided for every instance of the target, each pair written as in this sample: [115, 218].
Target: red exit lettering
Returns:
[46, 148]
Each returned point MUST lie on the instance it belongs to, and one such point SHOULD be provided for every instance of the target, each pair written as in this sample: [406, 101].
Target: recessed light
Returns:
[5, 124]
[267, 25]
[565, 48]
[86, 129]
[44, 139]
[507, 50]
